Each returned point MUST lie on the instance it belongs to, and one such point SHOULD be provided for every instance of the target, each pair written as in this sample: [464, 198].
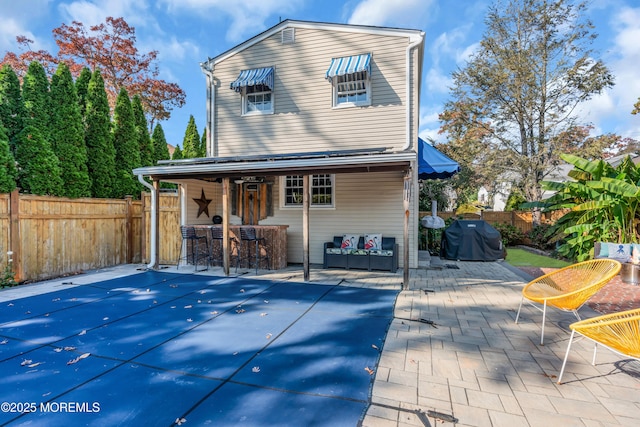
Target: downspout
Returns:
[406, 146]
[407, 143]
[154, 225]
[183, 205]
[211, 102]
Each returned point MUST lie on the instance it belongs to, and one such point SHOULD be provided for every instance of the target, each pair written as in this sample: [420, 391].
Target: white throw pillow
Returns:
[350, 241]
[373, 242]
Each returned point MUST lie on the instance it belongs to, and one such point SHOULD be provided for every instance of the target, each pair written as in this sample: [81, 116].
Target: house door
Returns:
[254, 202]
[251, 203]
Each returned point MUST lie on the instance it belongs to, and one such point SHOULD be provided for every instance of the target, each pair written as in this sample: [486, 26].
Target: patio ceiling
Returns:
[347, 161]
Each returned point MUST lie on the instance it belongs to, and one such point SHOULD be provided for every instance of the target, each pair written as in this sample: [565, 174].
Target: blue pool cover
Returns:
[181, 349]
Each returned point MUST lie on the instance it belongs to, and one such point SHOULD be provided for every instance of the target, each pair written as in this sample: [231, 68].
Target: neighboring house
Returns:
[496, 201]
[559, 173]
[338, 103]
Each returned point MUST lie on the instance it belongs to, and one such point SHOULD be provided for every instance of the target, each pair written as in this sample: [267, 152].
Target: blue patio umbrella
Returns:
[432, 164]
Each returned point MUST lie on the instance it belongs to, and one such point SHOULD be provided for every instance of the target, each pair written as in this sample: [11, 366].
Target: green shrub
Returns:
[511, 235]
[540, 237]
[7, 276]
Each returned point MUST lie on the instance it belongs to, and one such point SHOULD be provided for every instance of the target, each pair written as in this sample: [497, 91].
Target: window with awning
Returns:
[256, 87]
[350, 77]
[253, 77]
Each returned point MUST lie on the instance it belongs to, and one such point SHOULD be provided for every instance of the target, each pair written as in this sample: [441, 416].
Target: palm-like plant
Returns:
[602, 203]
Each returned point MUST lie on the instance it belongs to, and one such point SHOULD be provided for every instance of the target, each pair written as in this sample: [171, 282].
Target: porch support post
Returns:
[405, 235]
[305, 226]
[225, 226]
[155, 221]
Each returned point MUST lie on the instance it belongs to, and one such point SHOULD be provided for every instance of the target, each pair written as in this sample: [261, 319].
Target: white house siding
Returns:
[304, 119]
[364, 203]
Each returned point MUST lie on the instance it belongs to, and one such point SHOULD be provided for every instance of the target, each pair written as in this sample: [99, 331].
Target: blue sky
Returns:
[187, 32]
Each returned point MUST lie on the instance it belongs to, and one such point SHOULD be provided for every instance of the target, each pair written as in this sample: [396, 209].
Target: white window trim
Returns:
[245, 96]
[366, 103]
[282, 192]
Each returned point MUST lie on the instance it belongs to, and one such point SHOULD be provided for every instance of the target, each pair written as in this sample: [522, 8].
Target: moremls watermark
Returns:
[50, 407]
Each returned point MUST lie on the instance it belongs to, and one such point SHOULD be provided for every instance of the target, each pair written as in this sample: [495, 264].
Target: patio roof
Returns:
[344, 161]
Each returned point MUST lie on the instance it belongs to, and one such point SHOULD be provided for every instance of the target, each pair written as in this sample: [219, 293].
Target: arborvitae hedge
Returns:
[142, 133]
[38, 168]
[67, 135]
[82, 87]
[35, 93]
[98, 138]
[7, 165]
[177, 153]
[160, 149]
[126, 146]
[191, 142]
[11, 104]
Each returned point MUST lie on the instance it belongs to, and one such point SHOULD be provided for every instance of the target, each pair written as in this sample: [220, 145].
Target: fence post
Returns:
[129, 229]
[15, 241]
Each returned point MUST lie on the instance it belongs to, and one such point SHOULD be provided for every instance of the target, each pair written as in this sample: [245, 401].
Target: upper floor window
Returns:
[256, 87]
[257, 100]
[350, 77]
[321, 190]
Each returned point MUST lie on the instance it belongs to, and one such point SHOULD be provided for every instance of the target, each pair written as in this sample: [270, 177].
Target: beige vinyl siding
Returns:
[304, 118]
[212, 191]
[365, 203]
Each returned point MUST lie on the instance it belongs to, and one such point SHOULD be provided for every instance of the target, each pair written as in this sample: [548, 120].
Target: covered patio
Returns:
[225, 171]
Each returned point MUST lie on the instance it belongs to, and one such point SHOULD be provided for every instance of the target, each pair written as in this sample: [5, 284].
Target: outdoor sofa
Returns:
[382, 257]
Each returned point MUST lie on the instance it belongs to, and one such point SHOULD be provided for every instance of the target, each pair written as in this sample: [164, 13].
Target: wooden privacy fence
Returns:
[519, 219]
[55, 236]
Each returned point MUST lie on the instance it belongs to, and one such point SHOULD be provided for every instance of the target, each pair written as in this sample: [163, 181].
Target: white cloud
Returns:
[17, 17]
[431, 134]
[611, 111]
[177, 51]
[93, 12]
[437, 82]
[429, 115]
[430, 124]
[8, 32]
[248, 17]
[399, 13]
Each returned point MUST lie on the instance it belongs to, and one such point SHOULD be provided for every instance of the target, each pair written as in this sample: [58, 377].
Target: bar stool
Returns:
[248, 234]
[191, 242]
[217, 235]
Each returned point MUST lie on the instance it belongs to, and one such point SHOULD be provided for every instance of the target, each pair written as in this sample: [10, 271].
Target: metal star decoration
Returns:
[203, 204]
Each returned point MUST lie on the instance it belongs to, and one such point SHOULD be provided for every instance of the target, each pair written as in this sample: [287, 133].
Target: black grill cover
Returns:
[471, 240]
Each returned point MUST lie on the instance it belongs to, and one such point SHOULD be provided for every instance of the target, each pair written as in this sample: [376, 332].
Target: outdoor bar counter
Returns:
[275, 242]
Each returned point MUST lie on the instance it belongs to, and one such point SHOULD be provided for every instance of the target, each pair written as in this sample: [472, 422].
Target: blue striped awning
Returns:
[349, 65]
[256, 76]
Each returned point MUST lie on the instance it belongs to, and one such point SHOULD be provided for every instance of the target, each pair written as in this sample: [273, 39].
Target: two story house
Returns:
[336, 103]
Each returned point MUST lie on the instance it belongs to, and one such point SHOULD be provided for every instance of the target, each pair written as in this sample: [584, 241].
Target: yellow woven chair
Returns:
[619, 332]
[569, 288]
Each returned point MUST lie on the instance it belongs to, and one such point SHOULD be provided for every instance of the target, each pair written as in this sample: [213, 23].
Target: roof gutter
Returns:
[269, 165]
[154, 225]
[410, 47]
